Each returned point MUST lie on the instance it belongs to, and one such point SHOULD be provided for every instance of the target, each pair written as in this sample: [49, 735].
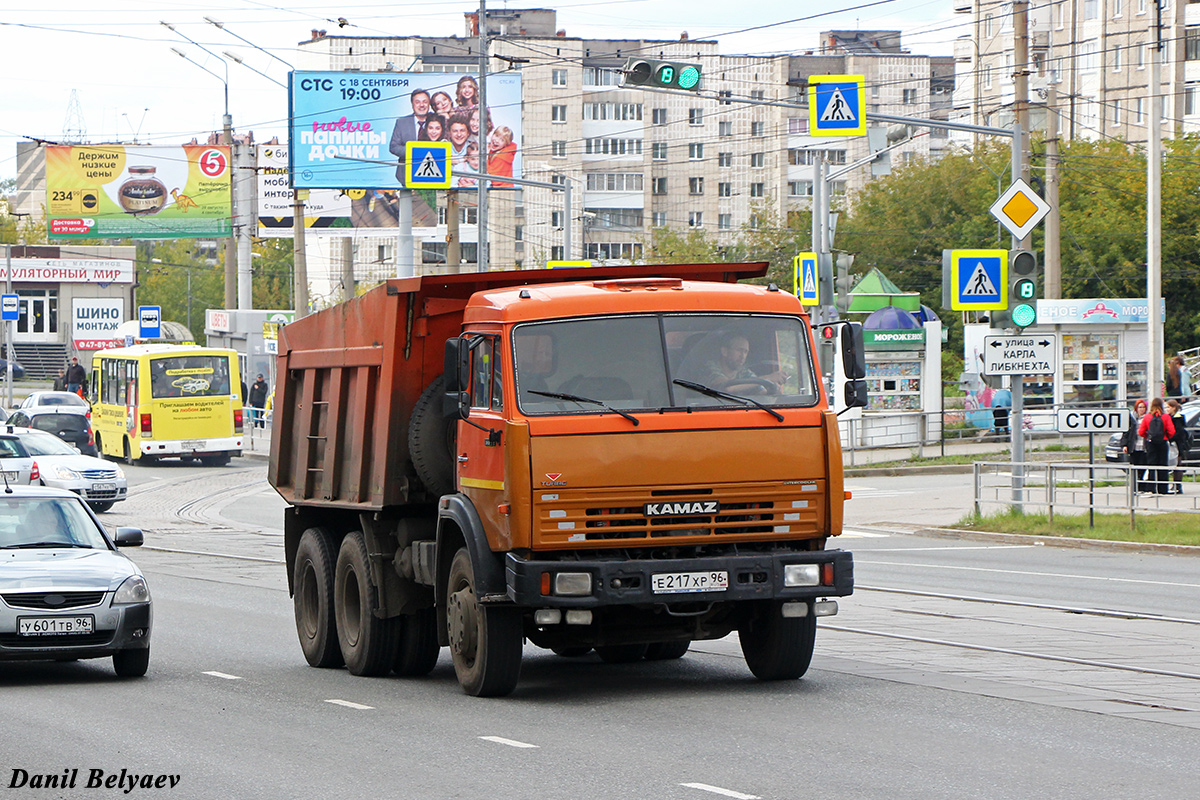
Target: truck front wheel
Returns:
[485, 641]
[776, 647]
[368, 643]
[312, 580]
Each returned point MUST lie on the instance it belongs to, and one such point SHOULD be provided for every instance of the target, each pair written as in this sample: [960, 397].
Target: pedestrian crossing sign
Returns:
[804, 279]
[837, 105]
[427, 165]
[978, 280]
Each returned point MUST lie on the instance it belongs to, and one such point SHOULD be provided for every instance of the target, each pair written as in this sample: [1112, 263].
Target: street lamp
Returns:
[232, 57]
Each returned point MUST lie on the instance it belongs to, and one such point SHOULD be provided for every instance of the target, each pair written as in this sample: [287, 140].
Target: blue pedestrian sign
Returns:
[11, 306]
[804, 279]
[978, 280]
[837, 105]
[427, 165]
[149, 322]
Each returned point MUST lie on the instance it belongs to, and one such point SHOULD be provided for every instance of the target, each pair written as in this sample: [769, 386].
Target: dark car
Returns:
[72, 424]
[18, 370]
[1191, 418]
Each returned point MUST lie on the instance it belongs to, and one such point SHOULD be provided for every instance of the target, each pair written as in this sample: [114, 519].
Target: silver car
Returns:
[17, 468]
[60, 465]
[65, 590]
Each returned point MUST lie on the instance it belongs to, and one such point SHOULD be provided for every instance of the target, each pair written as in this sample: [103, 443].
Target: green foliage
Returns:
[690, 246]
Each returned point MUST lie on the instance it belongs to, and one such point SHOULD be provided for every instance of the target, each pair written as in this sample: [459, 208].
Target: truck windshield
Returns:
[632, 362]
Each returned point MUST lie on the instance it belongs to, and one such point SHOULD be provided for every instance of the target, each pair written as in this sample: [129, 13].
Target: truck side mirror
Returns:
[456, 403]
[854, 360]
[855, 394]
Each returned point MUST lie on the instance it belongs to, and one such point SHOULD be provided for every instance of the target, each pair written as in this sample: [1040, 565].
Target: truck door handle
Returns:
[463, 459]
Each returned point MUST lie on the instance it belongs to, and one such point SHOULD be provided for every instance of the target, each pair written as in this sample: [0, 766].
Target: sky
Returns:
[117, 57]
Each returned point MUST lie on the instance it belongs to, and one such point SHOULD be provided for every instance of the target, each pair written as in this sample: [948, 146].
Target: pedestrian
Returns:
[76, 377]
[1158, 430]
[1177, 382]
[1001, 403]
[258, 401]
[1181, 443]
[60, 383]
[1133, 444]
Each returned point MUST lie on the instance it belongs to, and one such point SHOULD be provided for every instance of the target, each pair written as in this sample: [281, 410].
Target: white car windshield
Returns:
[43, 444]
[47, 522]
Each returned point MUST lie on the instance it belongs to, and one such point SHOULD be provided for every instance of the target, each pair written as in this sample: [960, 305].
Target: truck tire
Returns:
[419, 650]
[368, 643]
[312, 577]
[622, 653]
[778, 648]
[431, 437]
[485, 641]
[667, 651]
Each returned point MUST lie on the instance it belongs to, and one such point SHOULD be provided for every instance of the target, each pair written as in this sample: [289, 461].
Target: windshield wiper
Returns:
[32, 545]
[577, 399]
[711, 392]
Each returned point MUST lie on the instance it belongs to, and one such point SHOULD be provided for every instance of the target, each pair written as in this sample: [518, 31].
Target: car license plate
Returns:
[104, 487]
[55, 626]
[10, 476]
[193, 444]
[676, 582]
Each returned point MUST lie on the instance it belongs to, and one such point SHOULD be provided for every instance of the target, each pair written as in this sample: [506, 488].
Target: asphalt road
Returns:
[230, 707]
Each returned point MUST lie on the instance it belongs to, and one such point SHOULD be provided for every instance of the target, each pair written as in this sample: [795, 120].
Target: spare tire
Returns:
[431, 438]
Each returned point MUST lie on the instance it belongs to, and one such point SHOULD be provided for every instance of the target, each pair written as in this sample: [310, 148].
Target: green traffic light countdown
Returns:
[1025, 289]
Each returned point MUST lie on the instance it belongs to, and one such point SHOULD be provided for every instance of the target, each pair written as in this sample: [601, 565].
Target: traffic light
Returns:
[1022, 288]
[661, 74]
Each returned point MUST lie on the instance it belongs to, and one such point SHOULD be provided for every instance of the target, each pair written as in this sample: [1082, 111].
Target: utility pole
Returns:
[453, 245]
[299, 257]
[1053, 259]
[1020, 168]
[347, 268]
[482, 246]
[1155, 348]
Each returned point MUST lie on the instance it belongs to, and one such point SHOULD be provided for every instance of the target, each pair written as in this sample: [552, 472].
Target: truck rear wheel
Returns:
[419, 650]
[778, 648]
[368, 643]
[431, 437]
[485, 641]
[312, 582]
[667, 651]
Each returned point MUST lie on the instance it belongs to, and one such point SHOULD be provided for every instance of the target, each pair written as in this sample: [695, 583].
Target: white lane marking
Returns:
[952, 548]
[704, 787]
[509, 742]
[1031, 573]
[224, 675]
[854, 533]
[348, 704]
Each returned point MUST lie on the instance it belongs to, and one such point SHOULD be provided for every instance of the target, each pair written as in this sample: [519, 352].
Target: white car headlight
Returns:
[133, 590]
[66, 473]
[120, 474]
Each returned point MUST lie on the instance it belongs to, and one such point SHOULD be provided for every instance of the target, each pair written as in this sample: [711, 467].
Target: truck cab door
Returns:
[480, 444]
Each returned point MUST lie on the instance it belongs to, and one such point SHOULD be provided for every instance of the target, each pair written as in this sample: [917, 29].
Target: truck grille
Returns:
[568, 518]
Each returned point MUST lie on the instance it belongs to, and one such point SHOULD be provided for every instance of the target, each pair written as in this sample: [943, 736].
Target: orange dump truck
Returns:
[577, 458]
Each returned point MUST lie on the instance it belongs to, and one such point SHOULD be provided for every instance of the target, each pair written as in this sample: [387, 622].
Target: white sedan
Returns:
[100, 483]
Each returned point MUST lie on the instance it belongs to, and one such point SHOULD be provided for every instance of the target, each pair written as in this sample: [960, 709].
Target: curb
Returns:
[1057, 541]
[944, 469]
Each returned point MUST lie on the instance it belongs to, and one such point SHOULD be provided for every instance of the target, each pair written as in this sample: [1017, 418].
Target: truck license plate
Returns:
[54, 626]
[677, 582]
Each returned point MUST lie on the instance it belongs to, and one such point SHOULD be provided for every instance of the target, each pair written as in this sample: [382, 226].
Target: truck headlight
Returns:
[801, 575]
[573, 584]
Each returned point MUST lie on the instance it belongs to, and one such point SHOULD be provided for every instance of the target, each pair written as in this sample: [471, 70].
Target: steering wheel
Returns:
[767, 387]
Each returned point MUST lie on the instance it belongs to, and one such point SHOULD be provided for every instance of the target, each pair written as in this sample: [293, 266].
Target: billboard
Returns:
[326, 211]
[138, 192]
[343, 123]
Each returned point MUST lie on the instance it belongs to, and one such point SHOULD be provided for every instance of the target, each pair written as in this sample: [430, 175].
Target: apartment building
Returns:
[639, 159]
[1098, 54]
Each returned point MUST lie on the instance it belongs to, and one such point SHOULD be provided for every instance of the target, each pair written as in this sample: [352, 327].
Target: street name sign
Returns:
[1093, 420]
[1020, 355]
[1020, 209]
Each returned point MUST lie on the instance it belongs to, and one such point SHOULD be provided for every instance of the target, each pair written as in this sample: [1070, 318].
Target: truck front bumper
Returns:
[630, 582]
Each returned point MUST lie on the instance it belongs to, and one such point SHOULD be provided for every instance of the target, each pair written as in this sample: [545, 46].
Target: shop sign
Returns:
[94, 321]
[218, 320]
[1106, 311]
[894, 340]
[69, 270]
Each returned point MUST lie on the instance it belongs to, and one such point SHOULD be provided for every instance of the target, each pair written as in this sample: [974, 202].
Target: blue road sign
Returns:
[428, 165]
[978, 280]
[149, 322]
[836, 105]
[11, 305]
[804, 275]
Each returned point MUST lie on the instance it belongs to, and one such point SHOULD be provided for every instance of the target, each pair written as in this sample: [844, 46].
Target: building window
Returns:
[558, 180]
[695, 219]
[658, 151]
[614, 181]
[800, 188]
[724, 222]
[612, 147]
[758, 94]
[910, 97]
[1116, 61]
[756, 189]
[695, 185]
[724, 190]
[1116, 7]
[659, 219]
[758, 160]
[987, 25]
[660, 186]
[725, 96]
[599, 76]
[558, 148]
[617, 111]
[838, 188]
[725, 128]
[613, 251]
[1091, 9]
[1116, 112]
[695, 151]
[1143, 50]
[558, 114]
[556, 252]
[558, 77]
[659, 116]
[1189, 99]
[695, 116]
[1139, 111]
[757, 128]
[987, 76]
[724, 159]
[1191, 44]
[616, 217]
[797, 125]
[800, 157]
[556, 219]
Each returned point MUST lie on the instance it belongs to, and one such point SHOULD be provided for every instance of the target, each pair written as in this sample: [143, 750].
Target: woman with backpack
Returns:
[1157, 429]
[1135, 446]
[1181, 443]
